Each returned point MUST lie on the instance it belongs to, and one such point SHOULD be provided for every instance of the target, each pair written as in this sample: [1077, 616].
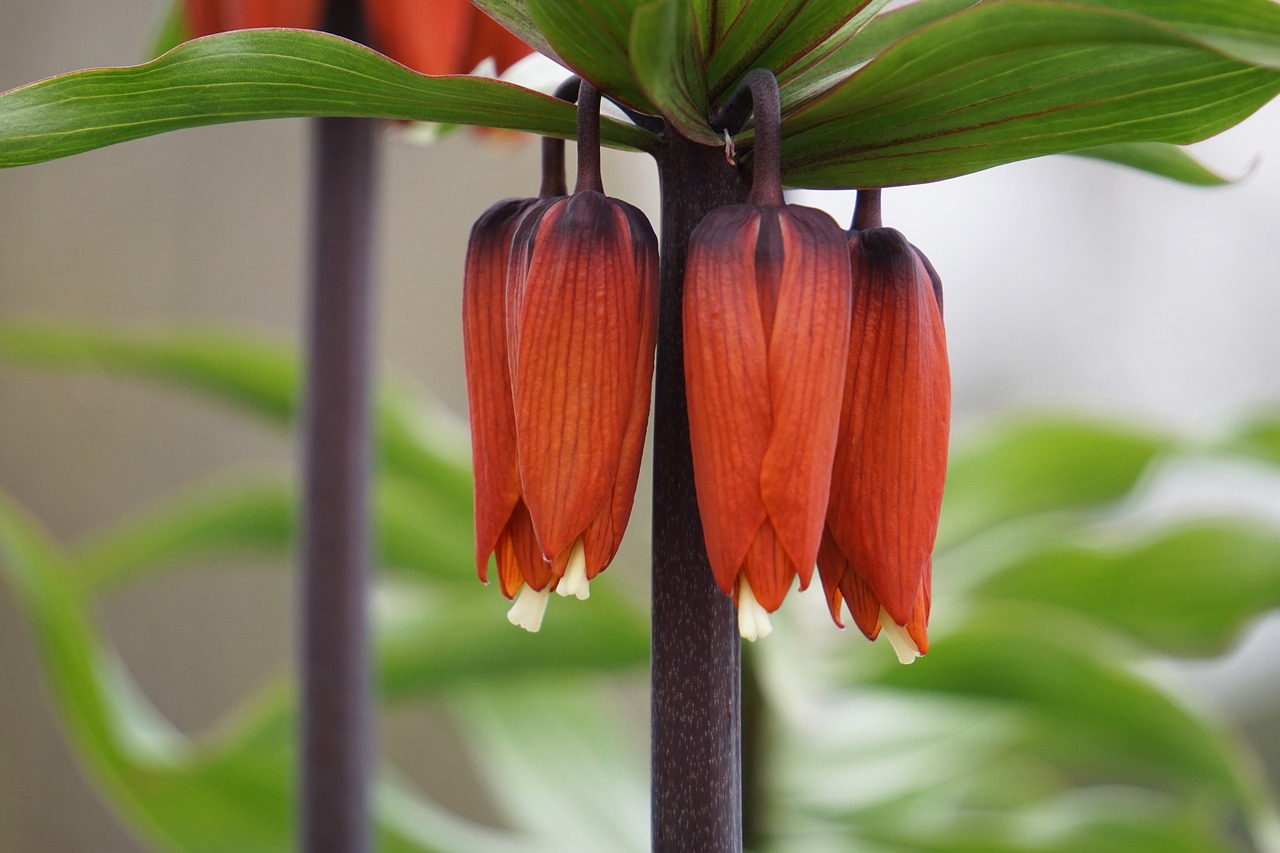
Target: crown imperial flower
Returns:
[891, 458]
[562, 341]
[766, 331]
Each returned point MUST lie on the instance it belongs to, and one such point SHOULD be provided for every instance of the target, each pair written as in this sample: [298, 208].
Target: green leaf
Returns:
[666, 51]
[429, 644]
[1248, 30]
[1011, 80]
[234, 791]
[260, 376]
[260, 74]
[1259, 437]
[784, 35]
[1158, 158]
[1185, 591]
[845, 55]
[254, 518]
[172, 31]
[1040, 465]
[1085, 712]
[593, 39]
[1106, 820]
[524, 736]
[514, 16]
[416, 529]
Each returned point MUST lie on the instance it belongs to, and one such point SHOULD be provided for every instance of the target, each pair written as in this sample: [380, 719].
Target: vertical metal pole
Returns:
[696, 746]
[337, 687]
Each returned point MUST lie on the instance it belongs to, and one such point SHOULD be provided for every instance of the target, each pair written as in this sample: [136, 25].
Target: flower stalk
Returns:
[337, 686]
[696, 725]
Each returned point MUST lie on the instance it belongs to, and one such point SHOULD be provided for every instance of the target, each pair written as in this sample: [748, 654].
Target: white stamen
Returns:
[753, 620]
[575, 581]
[903, 646]
[529, 608]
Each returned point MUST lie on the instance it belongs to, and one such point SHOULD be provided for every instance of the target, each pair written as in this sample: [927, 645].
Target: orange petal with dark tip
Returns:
[768, 568]
[431, 38]
[890, 464]
[831, 568]
[489, 400]
[574, 336]
[518, 556]
[917, 626]
[807, 353]
[604, 536]
[862, 602]
[727, 385]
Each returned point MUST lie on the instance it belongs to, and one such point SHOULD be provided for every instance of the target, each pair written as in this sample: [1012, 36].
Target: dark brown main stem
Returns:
[588, 139]
[696, 749]
[337, 688]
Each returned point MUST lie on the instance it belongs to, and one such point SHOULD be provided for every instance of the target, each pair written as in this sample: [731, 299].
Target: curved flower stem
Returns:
[553, 183]
[866, 212]
[696, 749]
[588, 140]
[337, 687]
[760, 89]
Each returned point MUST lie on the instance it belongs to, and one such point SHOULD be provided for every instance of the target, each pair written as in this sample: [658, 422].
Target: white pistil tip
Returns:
[529, 608]
[575, 581]
[753, 620]
[903, 646]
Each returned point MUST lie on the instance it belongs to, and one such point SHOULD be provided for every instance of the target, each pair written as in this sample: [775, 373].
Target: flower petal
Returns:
[768, 568]
[484, 341]
[518, 556]
[430, 38]
[605, 533]
[808, 352]
[727, 379]
[574, 336]
[890, 462]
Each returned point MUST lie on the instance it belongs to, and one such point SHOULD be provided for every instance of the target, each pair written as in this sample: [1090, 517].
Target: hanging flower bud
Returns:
[503, 526]
[766, 332]
[891, 459]
[581, 331]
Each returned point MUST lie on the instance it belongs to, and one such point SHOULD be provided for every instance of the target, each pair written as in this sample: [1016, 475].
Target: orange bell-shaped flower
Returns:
[766, 332]
[891, 459]
[441, 36]
[429, 36]
[206, 17]
[503, 526]
[581, 330]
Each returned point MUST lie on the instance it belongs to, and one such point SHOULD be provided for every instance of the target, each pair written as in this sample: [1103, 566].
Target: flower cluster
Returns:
[819, 400]
[817, 383]
[439, 37]
[815, 365]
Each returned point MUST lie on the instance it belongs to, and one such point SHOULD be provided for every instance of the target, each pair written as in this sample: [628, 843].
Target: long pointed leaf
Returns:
[261, 74]
[1013, 79]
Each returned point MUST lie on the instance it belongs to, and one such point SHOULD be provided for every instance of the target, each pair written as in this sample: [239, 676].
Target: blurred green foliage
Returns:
[1034, 725]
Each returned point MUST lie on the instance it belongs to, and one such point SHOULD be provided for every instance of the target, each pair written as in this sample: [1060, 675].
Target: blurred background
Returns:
[1071, 286]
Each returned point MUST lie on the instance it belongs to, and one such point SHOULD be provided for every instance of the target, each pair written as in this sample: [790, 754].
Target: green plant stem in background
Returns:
[337, 684]
[696, 695]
